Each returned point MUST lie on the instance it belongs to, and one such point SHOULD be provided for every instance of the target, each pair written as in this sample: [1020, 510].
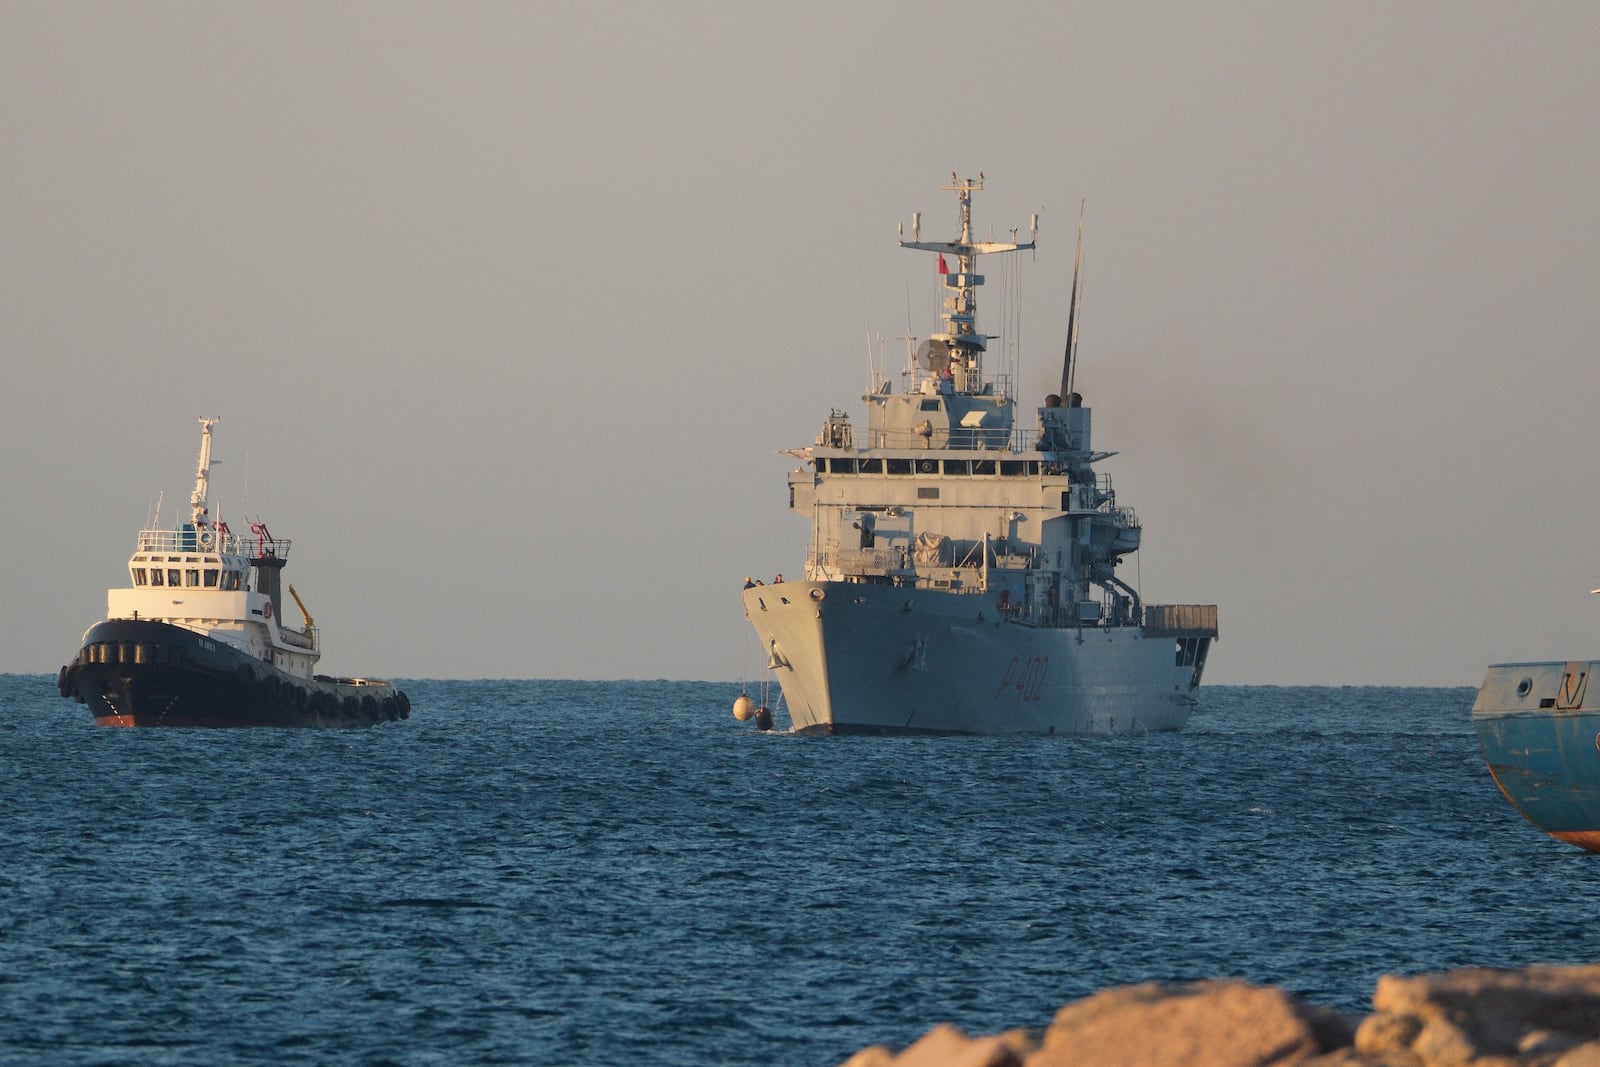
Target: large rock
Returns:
[1534, 1015]
[1539, 1016]
[1194, 1024]
[945, 1046]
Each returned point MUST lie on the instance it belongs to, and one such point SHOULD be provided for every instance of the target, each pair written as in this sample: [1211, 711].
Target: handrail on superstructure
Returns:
[190, 540]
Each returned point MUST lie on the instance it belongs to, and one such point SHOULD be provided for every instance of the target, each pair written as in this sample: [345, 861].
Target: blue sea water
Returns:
[618, 872]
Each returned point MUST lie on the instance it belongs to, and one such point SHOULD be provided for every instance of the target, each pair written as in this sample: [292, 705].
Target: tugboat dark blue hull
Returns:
[136, 672]
[1541, 740]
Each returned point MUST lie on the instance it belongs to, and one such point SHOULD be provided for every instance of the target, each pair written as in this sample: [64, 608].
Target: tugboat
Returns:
[961, 574]
[1539, 733]
[198, 639]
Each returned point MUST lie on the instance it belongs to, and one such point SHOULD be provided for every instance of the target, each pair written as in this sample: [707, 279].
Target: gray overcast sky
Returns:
[508, 308]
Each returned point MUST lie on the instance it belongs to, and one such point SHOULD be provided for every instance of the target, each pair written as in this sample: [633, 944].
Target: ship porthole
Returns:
[1524, 687]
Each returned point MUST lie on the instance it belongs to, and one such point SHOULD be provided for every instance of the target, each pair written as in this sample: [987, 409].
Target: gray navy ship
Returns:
[961, 575]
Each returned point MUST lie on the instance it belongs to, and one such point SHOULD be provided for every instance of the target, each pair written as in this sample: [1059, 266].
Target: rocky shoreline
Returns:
[1539, 1016]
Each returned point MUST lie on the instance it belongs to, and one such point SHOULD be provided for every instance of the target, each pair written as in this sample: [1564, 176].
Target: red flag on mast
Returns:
[942, 268]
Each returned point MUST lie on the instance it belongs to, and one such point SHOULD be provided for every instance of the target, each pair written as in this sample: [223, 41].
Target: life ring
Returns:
[208, 540]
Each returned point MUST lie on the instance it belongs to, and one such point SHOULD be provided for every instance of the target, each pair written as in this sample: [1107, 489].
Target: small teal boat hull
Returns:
[1540, 736]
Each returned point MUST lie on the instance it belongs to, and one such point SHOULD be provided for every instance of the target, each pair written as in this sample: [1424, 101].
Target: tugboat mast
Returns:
[202, 476]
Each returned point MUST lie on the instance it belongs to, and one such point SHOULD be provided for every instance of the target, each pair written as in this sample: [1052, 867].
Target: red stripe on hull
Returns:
[1588, 840]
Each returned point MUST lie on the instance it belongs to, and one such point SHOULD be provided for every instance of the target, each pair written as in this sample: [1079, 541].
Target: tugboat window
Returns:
[139, 576]
[191, 577]
[173, 577]
[211, 577]
[155, 576]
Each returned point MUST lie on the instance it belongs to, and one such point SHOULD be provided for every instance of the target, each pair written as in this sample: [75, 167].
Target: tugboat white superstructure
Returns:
[961, 575]
[198, 638]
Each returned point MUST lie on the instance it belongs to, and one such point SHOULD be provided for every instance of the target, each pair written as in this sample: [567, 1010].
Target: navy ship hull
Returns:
[873, 659]
[138, 672]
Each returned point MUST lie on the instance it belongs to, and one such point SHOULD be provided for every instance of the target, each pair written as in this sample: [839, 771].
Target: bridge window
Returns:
[140, 577]
[899, 466]
[930, 405]
[957, 466]
[211, 577]
[872, 466]
[173, 577]
[191, 577]
[156, 576]
[983, 466]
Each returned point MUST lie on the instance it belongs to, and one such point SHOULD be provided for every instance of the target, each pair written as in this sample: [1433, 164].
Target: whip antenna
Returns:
[1067, 367]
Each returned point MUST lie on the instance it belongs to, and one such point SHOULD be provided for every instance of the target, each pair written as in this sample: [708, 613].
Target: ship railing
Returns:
[1181, 620]
[858, 562]
[976, 438]
[188, 539]
[901, 566]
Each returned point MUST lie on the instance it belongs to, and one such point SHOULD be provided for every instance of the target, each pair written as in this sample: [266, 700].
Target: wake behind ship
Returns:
[961, 575]
[199, 638]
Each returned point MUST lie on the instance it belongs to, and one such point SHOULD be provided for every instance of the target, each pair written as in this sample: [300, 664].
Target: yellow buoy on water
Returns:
[744, 707]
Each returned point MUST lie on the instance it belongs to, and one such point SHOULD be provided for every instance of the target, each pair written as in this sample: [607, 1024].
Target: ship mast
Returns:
[961, 306]
[202, 475]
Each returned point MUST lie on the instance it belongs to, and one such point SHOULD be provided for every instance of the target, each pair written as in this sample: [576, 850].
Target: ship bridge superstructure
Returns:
[205, 577]
[945, 491]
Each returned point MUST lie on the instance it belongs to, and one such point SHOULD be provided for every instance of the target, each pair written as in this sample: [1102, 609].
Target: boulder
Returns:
[1540, 1016]
[1530, 1015]
[1193, 1024]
